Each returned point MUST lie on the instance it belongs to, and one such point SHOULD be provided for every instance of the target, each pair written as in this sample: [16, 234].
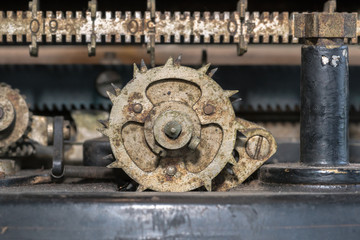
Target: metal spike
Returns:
[178, 60]
[232, 160]
[136, 70]
[115, 164]
[143, 67]
[103, 131]
[207, 185]
[169, 62]
[229, 93]
[108, 157]
[111, 96]
[212, 72]
[141, 188]
[236, 100]
[204, 68]
[116, 89]
[105, 123]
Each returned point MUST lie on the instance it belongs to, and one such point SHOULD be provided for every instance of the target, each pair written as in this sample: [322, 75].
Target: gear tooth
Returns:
[204, 68]
[136, 70]
[212, 72]
[116, 89]
[104, 131]
[115, 164]
[141, 188]
[110, 156]
[178, 60]
[229, 93]
[112, 97]
[105, 123]
[143, 67]
[207, 185]
[169, 62]
[232, 160]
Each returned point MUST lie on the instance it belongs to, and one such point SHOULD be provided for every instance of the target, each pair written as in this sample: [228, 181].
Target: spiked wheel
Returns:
[14, 116]
[173, 128]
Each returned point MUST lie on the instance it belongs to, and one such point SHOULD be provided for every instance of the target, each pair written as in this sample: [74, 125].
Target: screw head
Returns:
[171, 170]
[137, 108]
[173, 129]
[209, 109]
[257, 147]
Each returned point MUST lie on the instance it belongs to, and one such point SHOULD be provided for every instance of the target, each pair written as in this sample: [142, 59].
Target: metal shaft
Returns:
[324, 105]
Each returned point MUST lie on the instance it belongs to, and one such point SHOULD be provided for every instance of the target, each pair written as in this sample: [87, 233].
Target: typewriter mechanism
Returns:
[230, 122]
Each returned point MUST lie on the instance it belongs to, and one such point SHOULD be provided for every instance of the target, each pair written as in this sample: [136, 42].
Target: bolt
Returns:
[137, 108]
[209, 109]
[194, 143]
[171, 170]
[257, 147]
[2, 113]
[173, 129]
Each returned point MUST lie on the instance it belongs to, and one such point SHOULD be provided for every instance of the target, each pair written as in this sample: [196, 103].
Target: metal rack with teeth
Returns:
[152, 27]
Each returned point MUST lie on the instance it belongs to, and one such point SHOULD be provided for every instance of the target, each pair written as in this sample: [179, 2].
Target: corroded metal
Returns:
[326, 25]
[223, 27]
[7, 167]
[175, 144]
[239, 27]
[246, 162]
[16, 120]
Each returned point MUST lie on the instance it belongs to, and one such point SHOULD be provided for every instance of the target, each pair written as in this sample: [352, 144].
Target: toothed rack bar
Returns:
[167, 27]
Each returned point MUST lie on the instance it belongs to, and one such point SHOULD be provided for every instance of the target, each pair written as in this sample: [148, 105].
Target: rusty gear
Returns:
[15, 122]
[162, 135]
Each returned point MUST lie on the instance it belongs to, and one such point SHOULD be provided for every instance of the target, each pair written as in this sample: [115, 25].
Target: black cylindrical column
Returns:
[324, 113]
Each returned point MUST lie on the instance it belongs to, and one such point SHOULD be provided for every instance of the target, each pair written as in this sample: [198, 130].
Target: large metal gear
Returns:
[14, 116]
[173, 128]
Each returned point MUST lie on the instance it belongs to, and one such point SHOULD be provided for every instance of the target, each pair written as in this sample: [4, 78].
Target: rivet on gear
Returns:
[209, 109]
[137, 108]
[171, 170]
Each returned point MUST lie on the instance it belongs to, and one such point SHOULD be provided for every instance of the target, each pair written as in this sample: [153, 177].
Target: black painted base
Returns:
[295, 173]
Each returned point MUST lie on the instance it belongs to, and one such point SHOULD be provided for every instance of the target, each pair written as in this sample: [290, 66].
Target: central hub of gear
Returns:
[168, 116]
[173, 129]
[171, 134]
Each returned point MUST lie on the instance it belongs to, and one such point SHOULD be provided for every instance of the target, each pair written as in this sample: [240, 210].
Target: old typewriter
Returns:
[179, 120]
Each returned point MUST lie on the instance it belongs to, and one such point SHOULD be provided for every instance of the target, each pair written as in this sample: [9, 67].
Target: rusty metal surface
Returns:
[239, 27]
[122, 26]
[202, 117]
[7, 167]
[16, 126]
[326, 25]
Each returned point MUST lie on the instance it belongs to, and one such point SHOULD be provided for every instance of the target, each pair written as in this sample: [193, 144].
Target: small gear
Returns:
[14, 117]
[173, 128]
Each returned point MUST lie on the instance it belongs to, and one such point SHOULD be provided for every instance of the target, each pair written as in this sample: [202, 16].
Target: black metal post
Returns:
[324, 153]
[324, 112]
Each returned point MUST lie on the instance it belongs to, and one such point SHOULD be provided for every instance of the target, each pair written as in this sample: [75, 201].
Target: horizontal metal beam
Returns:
[247, 215]
[128, 27]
